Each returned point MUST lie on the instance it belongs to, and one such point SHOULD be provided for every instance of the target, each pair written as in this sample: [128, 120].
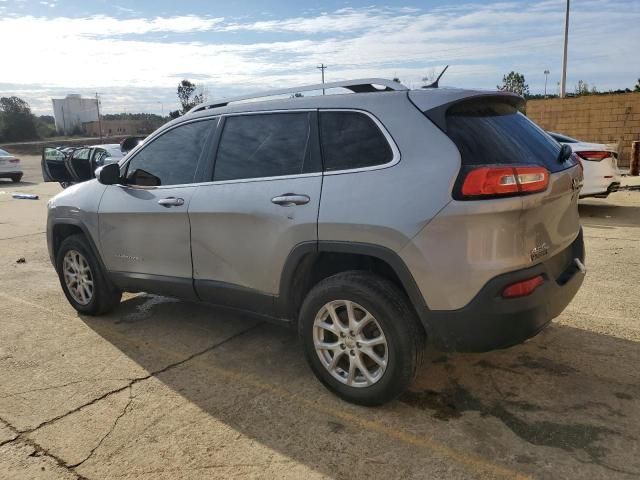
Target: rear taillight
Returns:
[14, 160]
[523, 288]
[595, 156]
[502, 181]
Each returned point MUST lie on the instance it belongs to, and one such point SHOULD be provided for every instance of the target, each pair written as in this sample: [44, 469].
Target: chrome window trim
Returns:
[395, 159]
[260, 179]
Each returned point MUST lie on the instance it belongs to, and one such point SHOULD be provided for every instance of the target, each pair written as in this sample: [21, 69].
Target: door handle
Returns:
[171, 202]
[290, 199]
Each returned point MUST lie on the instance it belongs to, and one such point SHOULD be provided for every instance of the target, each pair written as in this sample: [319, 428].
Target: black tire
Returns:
[16, 178]
[105, 295]
[398, 321]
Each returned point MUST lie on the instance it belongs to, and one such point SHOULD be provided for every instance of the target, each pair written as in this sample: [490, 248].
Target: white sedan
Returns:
[10, 166]
[600, 165]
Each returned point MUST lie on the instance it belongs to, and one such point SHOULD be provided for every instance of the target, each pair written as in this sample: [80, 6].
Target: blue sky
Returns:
[135, 53]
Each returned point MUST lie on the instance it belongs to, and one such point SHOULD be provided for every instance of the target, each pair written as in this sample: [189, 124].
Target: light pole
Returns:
[322, 67]
[546, 77]
[162, 108]
[563, 85]
[99, 119]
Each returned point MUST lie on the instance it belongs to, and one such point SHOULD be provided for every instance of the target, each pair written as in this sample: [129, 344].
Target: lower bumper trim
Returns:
[491, 322]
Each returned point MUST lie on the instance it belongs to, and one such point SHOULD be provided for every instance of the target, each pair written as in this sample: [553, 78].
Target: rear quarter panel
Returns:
[388, 206]
[470, 242]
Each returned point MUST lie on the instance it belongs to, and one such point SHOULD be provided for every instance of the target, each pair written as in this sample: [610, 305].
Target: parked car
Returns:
[10, 166]
[70, 165]
[600, 163]
[369, 221]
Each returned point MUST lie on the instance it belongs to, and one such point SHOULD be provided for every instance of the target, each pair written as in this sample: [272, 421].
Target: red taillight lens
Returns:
[523, 288]
[497, 181]
[14, 160]
[595, 156]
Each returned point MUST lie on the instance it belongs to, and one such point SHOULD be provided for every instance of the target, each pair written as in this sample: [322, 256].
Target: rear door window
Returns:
[490, 132]
[265, 145]
[352, 140]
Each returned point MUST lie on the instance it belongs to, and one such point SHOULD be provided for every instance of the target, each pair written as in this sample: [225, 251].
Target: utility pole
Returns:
[546, 77]
[99, 119]
[563, 85]
[322, 67]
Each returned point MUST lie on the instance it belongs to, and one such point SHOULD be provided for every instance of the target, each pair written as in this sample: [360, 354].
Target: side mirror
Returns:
[108, 174]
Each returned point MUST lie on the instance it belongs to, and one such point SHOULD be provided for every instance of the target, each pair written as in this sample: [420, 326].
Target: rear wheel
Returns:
[361, 337]
[16, 178]
[83, 281]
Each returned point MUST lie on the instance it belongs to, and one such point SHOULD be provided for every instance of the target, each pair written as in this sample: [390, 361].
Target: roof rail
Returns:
[362, 85]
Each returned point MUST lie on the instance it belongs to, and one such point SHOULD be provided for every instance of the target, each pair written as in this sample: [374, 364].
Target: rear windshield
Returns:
[489, 132]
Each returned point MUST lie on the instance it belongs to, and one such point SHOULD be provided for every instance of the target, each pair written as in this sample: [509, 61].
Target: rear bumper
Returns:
[10, 174]
[490, 321]
[612, 187]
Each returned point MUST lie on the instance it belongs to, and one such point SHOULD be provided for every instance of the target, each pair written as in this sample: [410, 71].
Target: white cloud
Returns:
[480, 41]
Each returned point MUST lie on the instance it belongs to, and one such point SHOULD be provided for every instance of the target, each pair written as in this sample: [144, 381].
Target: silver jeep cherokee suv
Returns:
[371, 221]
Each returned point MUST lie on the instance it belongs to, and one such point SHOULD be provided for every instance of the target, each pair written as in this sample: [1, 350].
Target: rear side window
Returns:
[491, 132]
[264, 145]
[352, 140]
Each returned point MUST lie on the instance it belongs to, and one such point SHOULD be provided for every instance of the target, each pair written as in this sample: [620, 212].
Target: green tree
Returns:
[637, 87]
[514, 82]
[16, 120]
[188, 96]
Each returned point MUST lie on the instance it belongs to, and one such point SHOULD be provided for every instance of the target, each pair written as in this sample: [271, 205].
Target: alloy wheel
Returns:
[350, 343]
[78, 277]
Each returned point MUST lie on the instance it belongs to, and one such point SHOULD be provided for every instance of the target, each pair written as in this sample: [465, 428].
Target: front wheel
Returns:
[361, 337]
[83, 281]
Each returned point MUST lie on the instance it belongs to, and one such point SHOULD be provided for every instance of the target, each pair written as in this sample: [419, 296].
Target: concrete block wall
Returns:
[610, 118]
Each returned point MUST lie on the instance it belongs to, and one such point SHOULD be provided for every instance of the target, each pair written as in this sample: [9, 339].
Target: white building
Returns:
[72, 111]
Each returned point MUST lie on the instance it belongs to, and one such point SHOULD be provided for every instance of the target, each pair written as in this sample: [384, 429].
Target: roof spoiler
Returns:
[438, 115]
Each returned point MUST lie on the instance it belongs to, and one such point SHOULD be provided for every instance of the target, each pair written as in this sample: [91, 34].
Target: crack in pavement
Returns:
[141, 379]
[54, 387]
[22, 435]
[39, 451]
[21, 236]
[113, 427]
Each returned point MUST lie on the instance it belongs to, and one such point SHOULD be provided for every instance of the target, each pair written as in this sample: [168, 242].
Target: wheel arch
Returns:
[64, 228]
[310, 262]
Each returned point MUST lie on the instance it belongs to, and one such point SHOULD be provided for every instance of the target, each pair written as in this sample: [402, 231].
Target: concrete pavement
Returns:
[162, 388]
